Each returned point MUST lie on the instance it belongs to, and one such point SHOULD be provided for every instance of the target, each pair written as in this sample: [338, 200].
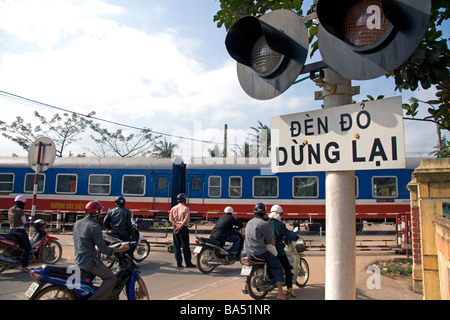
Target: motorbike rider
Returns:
[280, 234]
[223, 231]
[118, 220]
[257, 236]
[87, 234]
[17, 221]
[180, 217]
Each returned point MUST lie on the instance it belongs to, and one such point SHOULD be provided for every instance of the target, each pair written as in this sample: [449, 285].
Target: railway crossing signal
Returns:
[270, 51]
[358, 39]
[365, 39]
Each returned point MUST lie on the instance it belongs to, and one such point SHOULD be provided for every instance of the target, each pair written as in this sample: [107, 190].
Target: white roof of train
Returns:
[161, 163]
[119, 163]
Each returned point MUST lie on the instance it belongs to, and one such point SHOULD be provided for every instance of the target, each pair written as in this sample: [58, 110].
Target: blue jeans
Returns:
[25, 241]
[236, 243]
[275, 266]
[181, 240]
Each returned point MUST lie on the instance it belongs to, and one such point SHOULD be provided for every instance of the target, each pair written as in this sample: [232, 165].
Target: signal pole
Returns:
[340, 269]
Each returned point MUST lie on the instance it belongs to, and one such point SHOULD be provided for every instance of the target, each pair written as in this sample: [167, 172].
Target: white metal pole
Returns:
[340, 270]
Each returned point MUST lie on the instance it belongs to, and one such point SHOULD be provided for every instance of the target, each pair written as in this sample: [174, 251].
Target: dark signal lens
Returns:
[365, 24]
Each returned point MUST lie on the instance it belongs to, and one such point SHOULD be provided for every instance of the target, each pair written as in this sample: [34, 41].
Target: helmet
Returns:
[20, 198]
[276, 208]
[260, 209]
[93, 207]
[181, 197]
[120, 201]
[276, 212]
[228, 210]
[39, 224]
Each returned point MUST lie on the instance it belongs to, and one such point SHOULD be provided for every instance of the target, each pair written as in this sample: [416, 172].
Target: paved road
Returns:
[166, 282]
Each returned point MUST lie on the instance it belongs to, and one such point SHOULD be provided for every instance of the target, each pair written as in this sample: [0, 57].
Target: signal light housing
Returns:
[365, 39]
[270, 52]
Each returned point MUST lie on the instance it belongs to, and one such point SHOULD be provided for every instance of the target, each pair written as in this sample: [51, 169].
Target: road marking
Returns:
[190, 294]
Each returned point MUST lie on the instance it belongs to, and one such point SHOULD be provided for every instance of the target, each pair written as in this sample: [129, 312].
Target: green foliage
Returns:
[396, 267]
[232, 10]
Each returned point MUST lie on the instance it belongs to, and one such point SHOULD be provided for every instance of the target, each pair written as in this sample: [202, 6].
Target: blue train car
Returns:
[147, 184]
[150, 186]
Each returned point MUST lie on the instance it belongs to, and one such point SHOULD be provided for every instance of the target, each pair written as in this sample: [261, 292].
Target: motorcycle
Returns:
[139, 254]
[259, 279]
[70, 283]
[211, 254]
[43, 247]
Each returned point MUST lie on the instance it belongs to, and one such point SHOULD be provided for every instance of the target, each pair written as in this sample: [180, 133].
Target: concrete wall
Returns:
[430, 188]
[443, 251]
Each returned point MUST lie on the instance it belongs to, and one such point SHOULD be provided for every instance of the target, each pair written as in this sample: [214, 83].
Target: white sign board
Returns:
[46, 153]
[358, 136]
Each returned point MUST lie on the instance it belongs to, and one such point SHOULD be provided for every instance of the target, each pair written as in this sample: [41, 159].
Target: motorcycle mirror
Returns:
[296, 229]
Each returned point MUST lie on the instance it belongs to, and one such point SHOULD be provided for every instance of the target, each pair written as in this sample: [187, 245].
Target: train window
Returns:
[161, 183]
[99, 184]
[133, 185]
[29, 182]
[356, 187]
[235, 188]
[384, 187]
[196, 183]
[6, 182]
[266, 187]
[66, 183]
[306, 187]
[215, 186]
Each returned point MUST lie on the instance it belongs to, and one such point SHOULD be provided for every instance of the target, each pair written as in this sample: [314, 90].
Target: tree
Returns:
[261, 139]
[164, 149]
[215, 152]
[242, 152]
[427, 66]
[118, 144]
[63, 130]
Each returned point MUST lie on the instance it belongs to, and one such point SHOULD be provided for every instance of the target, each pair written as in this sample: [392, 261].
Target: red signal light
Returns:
[365, 24]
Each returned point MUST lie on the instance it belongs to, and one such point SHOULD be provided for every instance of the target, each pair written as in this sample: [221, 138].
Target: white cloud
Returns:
[130, 68]
[46, 22]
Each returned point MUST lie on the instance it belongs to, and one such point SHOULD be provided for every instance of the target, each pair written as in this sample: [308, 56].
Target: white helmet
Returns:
[228, 210]
[276, 208]
[20, 198]
[276, 212]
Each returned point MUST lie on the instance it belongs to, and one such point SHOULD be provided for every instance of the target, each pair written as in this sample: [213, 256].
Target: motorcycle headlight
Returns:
[300, 246]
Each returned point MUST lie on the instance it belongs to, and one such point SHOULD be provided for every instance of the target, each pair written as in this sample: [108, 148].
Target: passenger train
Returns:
[150, 187]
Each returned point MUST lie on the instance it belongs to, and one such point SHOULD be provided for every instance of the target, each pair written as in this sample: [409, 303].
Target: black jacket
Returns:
[224, 227]
[118, 220]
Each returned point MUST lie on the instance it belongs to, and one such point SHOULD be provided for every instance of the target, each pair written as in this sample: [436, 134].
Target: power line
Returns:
[24, 99]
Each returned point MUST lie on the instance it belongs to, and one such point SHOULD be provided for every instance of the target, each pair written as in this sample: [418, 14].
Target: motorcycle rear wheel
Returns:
[202, 260]
[254, 281]
[142, 251]
[51, 253]
[54, 293]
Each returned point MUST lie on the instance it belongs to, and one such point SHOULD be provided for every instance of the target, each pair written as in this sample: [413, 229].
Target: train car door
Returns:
[178, 181]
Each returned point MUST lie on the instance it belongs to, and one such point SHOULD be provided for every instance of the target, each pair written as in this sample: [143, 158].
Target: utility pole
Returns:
[340, 271]
[225, 140]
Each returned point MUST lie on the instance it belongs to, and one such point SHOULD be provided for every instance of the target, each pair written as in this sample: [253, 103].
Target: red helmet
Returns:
[93, 207]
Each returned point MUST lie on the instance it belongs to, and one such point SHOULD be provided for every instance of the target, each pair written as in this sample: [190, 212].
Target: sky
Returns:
[151, 64]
